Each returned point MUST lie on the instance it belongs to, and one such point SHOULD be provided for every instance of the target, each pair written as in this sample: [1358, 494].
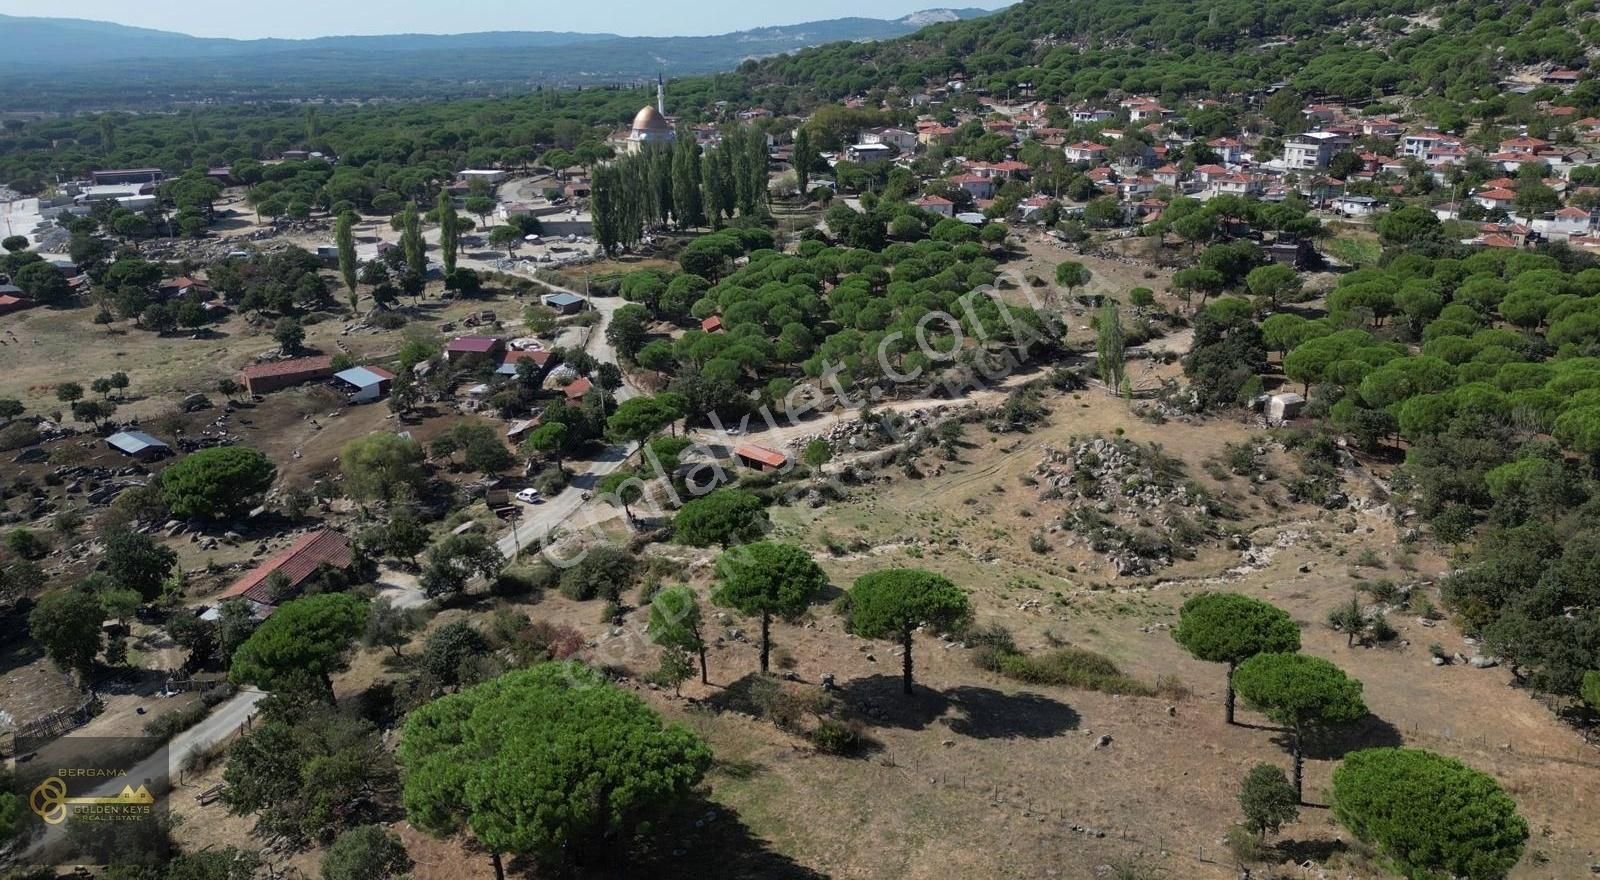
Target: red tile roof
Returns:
[768, 457]
[473, 344]
[290, 367]
[298, 561]
[539, 357]
[711, 324]
[578, 388]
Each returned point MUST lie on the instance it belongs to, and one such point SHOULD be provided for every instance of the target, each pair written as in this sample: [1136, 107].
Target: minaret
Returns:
[661, 95]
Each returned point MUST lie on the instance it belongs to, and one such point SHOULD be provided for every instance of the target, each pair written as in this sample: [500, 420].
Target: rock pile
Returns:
[1127, 501]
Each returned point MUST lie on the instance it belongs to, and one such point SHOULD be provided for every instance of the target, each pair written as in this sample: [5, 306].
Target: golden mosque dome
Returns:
[649, 119]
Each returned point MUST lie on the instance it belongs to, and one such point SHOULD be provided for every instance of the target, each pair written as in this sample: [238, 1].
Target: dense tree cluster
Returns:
[681, 186]
[1479, 361]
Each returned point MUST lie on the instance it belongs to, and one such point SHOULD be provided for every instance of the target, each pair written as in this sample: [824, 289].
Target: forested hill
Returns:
[1354, 50]
[49, 63]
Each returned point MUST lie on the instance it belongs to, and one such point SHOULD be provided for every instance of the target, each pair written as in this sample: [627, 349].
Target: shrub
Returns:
[990, 646]
[605, 571]
[524, 580]
[834, 737]
[1074, 667]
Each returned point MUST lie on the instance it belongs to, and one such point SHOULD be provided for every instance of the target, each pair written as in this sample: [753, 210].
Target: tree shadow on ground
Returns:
[978, 712]
[17, 647]
[1371, 732]
[1302, 851]
[705, 841]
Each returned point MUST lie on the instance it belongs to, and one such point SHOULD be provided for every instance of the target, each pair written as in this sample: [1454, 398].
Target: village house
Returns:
[977, 186]
[932, 133]
[1086, 151]
[1564, 224]
[12, 299]
[899, 138]
[711, 324]
[1321, 113]
[1516, 233]
[269, 376]
[937, 205]
[1006, 169]
[1166, 175]
[1243, 185]
[309, 556]
[1357, 206]
[1381, 127]
[1492, 199]
[1419, 143]
[1230, 151]
[575, 390]
[869, 154]
[538, 357]
[474, 347]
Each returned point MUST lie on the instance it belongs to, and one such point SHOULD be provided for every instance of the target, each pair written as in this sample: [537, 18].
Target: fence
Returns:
[1580, 755]
[30, 736]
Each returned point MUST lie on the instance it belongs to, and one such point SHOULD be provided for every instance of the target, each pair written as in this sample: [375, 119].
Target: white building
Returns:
[898, 138]
[1564, 224]
[1357, 206]
[1314, 149]
[869, 154]
[488, 176]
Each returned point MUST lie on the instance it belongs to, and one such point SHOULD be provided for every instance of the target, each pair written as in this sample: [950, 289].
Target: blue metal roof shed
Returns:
[360, 377]
[136, 443]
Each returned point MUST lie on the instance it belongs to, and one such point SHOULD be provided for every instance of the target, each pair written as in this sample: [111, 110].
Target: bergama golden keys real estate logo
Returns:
[51, 802]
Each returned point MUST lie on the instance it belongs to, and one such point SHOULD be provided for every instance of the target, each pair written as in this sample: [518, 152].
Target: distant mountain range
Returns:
[99, 61]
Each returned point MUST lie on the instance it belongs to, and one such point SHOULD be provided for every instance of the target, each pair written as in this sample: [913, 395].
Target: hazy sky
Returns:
[317, 18]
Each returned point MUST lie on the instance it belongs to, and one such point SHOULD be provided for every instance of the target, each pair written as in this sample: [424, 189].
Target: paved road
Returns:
[539, 520]
[159, 770]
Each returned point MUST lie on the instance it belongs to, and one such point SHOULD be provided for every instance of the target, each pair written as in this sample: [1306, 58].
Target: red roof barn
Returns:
[760, 457]
[298, 562]
[273, 375]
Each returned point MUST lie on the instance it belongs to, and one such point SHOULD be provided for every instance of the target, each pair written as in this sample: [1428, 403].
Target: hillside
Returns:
[1071, 49]
[48, 62]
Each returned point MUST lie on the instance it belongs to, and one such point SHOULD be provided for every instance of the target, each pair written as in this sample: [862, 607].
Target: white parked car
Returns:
[529, 496]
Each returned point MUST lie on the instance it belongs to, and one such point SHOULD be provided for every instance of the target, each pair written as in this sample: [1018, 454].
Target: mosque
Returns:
[650, 125]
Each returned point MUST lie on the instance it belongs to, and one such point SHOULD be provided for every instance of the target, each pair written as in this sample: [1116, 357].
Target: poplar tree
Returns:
[804, 158]
[1110, 346]
[411, 243]
[449, 233]
[344, 236]
[686, 200]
